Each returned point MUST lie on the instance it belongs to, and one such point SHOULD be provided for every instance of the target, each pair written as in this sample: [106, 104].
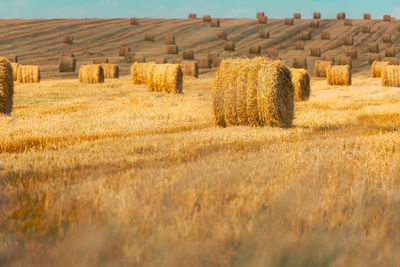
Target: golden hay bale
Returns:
[373, 48]
[253, 92]
[138, 72]
[301, 84]
[229, 46]
[317, 15]
[299, 46]
[305, 36]
[221, 35]
[260, 14]
[299, 63]
[11, 57]
[192, 16]
[169, 39]
[262, 20]
[6, 86]
[348, 22]
[165, 78]
[338, 75]
[387, 18]
[365, 29]
[190, 68]
[100, 60]
[387, 38]
[134, 21]
[215, 23]
[264, 34]
[272, 52]
[325, 36]
[255, 50]
[341, 15]
[390, 52]
[296, 16]
[110, 71]
[188, 54]
[373, 57]
[348, 40]
[172, 49]
[391, 76]
[314, 24]
[367, 16]
[320, 68]
[28, 74]
[15, 67]
[288, 21]
[352, 53]
[67, 64]
[206, 18]
[149, 37]
[123, 50]
[204, 63]
[391, 60]
[377, 67]
[315, 52]
[91, 74]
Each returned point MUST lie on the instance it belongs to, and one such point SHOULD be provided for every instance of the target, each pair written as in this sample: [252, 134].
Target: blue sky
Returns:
[180, 8]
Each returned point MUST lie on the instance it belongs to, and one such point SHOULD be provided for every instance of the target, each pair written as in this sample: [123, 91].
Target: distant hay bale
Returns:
[91, 74]
[299, 63]
[344, 61]
[149, 37]
[260, 14]
[28, 74]
[166, 78]
[317, 15]
[192, 16]
[391, 60]
[212, 56]
[221, 35]
[139, 72]
[299, 46]
[134, 21]
[348, 22]
[377, 68]
[172, 50]
[204, 63]
[255, 50]
[169, 39]
[373, 48]
[132, 58]
[11, 57]
[272, 53]
[206, 18]
[352, 53]
[215, 23]
[391, 76]
[315, 52]
[390, 52]
[341, 15]
[67, 64]
[253, 92]
[6, 86]
[100, 60]
[365, 29]
[325, 36]
[190, 68]
[301, 84]
[188, 54]
[348, 40]
[338, 75]
[110, 71]
[367, 16]
[297, 16]
[373, 57]
[68, 39]
[305, 36]
[123, 50]
[289, 21]
[320, 68]
[229, 46]
[262, 20]
[387, 38]
[387, 18]
[264, 34]
[314, 24]
[15, 67]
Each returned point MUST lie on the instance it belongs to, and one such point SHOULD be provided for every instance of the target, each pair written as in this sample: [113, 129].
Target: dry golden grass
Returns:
[108, 174]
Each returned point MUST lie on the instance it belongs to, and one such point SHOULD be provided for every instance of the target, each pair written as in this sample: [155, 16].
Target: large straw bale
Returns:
[67, 64]
[134, 21]
[192, 16]
[172, 49]
[365, 29]
[149, 37]
[215, 23]
[264, 34]
[352, 53]
[190, 68]
[299, 46]
[255, 49]
[100, 60]
[91, 73]
[348, 22]
[188, 54]
[373, 48]
[123, 50]
[299, 63]
[390, 52]
[387, 18]
[138, 72]
[165, 78]
[301, 84]
[391, 76]
[315, 52]
[169, 39]
[221, 35]
[110, 71]
[262, 20]
[317, 15]
[373, 57]
[348, 40]
[206, 18]
[288, 21]
[341, 15]
[229, 46]
[68, 39]
[204, 63]
[28, 74]
[305, 36]
[6, 86]
[314, 24]
[377, 67]
[320, 68]
[325, 36]
[272, 53]
[297, 16]
[367, 16]
[387, 38]
[338, 75]
[15, 67]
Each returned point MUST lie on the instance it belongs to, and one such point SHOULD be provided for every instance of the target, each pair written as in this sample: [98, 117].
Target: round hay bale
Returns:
[215, 23]
[262, 20]
[67, 64]
[204, 63]
[373, 48]
[299, 63]
[305, 36]
[325, 36]
[387, 38]
[255, 50]
[165, 78]
[390, 52]
[15, 67]
[110, 71]
[134, 21]
[320, 68]
[6, 86]
[264, 34]
[317, 15]
[192, 16]
[341, 15]
[297, 16]
[387, 18]
[352, 53]
[365, 29]
[68, 39]
[138, 72]
[391, 76]
[149, 37]
[373, 57]
[28, 74]
[315, 52]
[188, 54]
[338, 75]
[124, 50]
[301, 84]
[221, 35]
[206, 18]
[377, 67]
[229, 46]
[169, 39]
[272, 53]
[367, 16]
[288, 21]
[172, 50]
[100, 60]
[348, 40]
[314, 24]
[299, 46]
[91, 74]
[190, 69]
[348, 22]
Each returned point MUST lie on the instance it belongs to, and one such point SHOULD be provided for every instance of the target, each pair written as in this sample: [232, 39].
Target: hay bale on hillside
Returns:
[100, 60]
[315, 52]
[390, 52]
[129, 58]
[320, 68]
[206, 18]
[317, 15]
[221, 35]
[391, 76]
[6, 86]
[204, 63]
[297, 16]
[165, 78]
[149, 37]
[373, 57]
[387, 38]
[28, 74]
[11, 57]
[262, 20]
[190, 68]
[377, 67]
[67, 64]
[305, 36]
[192, 16]
[139, 72]
[68, 39]
[260, 14]
[215, 23]
[373, 48]
[391, 60]
[91, 74]
[352, 53]
[110, 71]
[253, 92]
[229, 46]
[188, 54]
[338, 75]
[288, 21]
[255, 50]
[314, 24]
[367, 16]
[299, 46]
[172, 50]
[124, 50]
[365, 29]
[169, 39]
[264, 34]
[344, 61]
[387, 18]
[348, 40]
[15, 67]
[301, 84]
[299, 63]
[272, 53]
[134, 21]
[341, 15]
[325, 36]
[348, 22]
